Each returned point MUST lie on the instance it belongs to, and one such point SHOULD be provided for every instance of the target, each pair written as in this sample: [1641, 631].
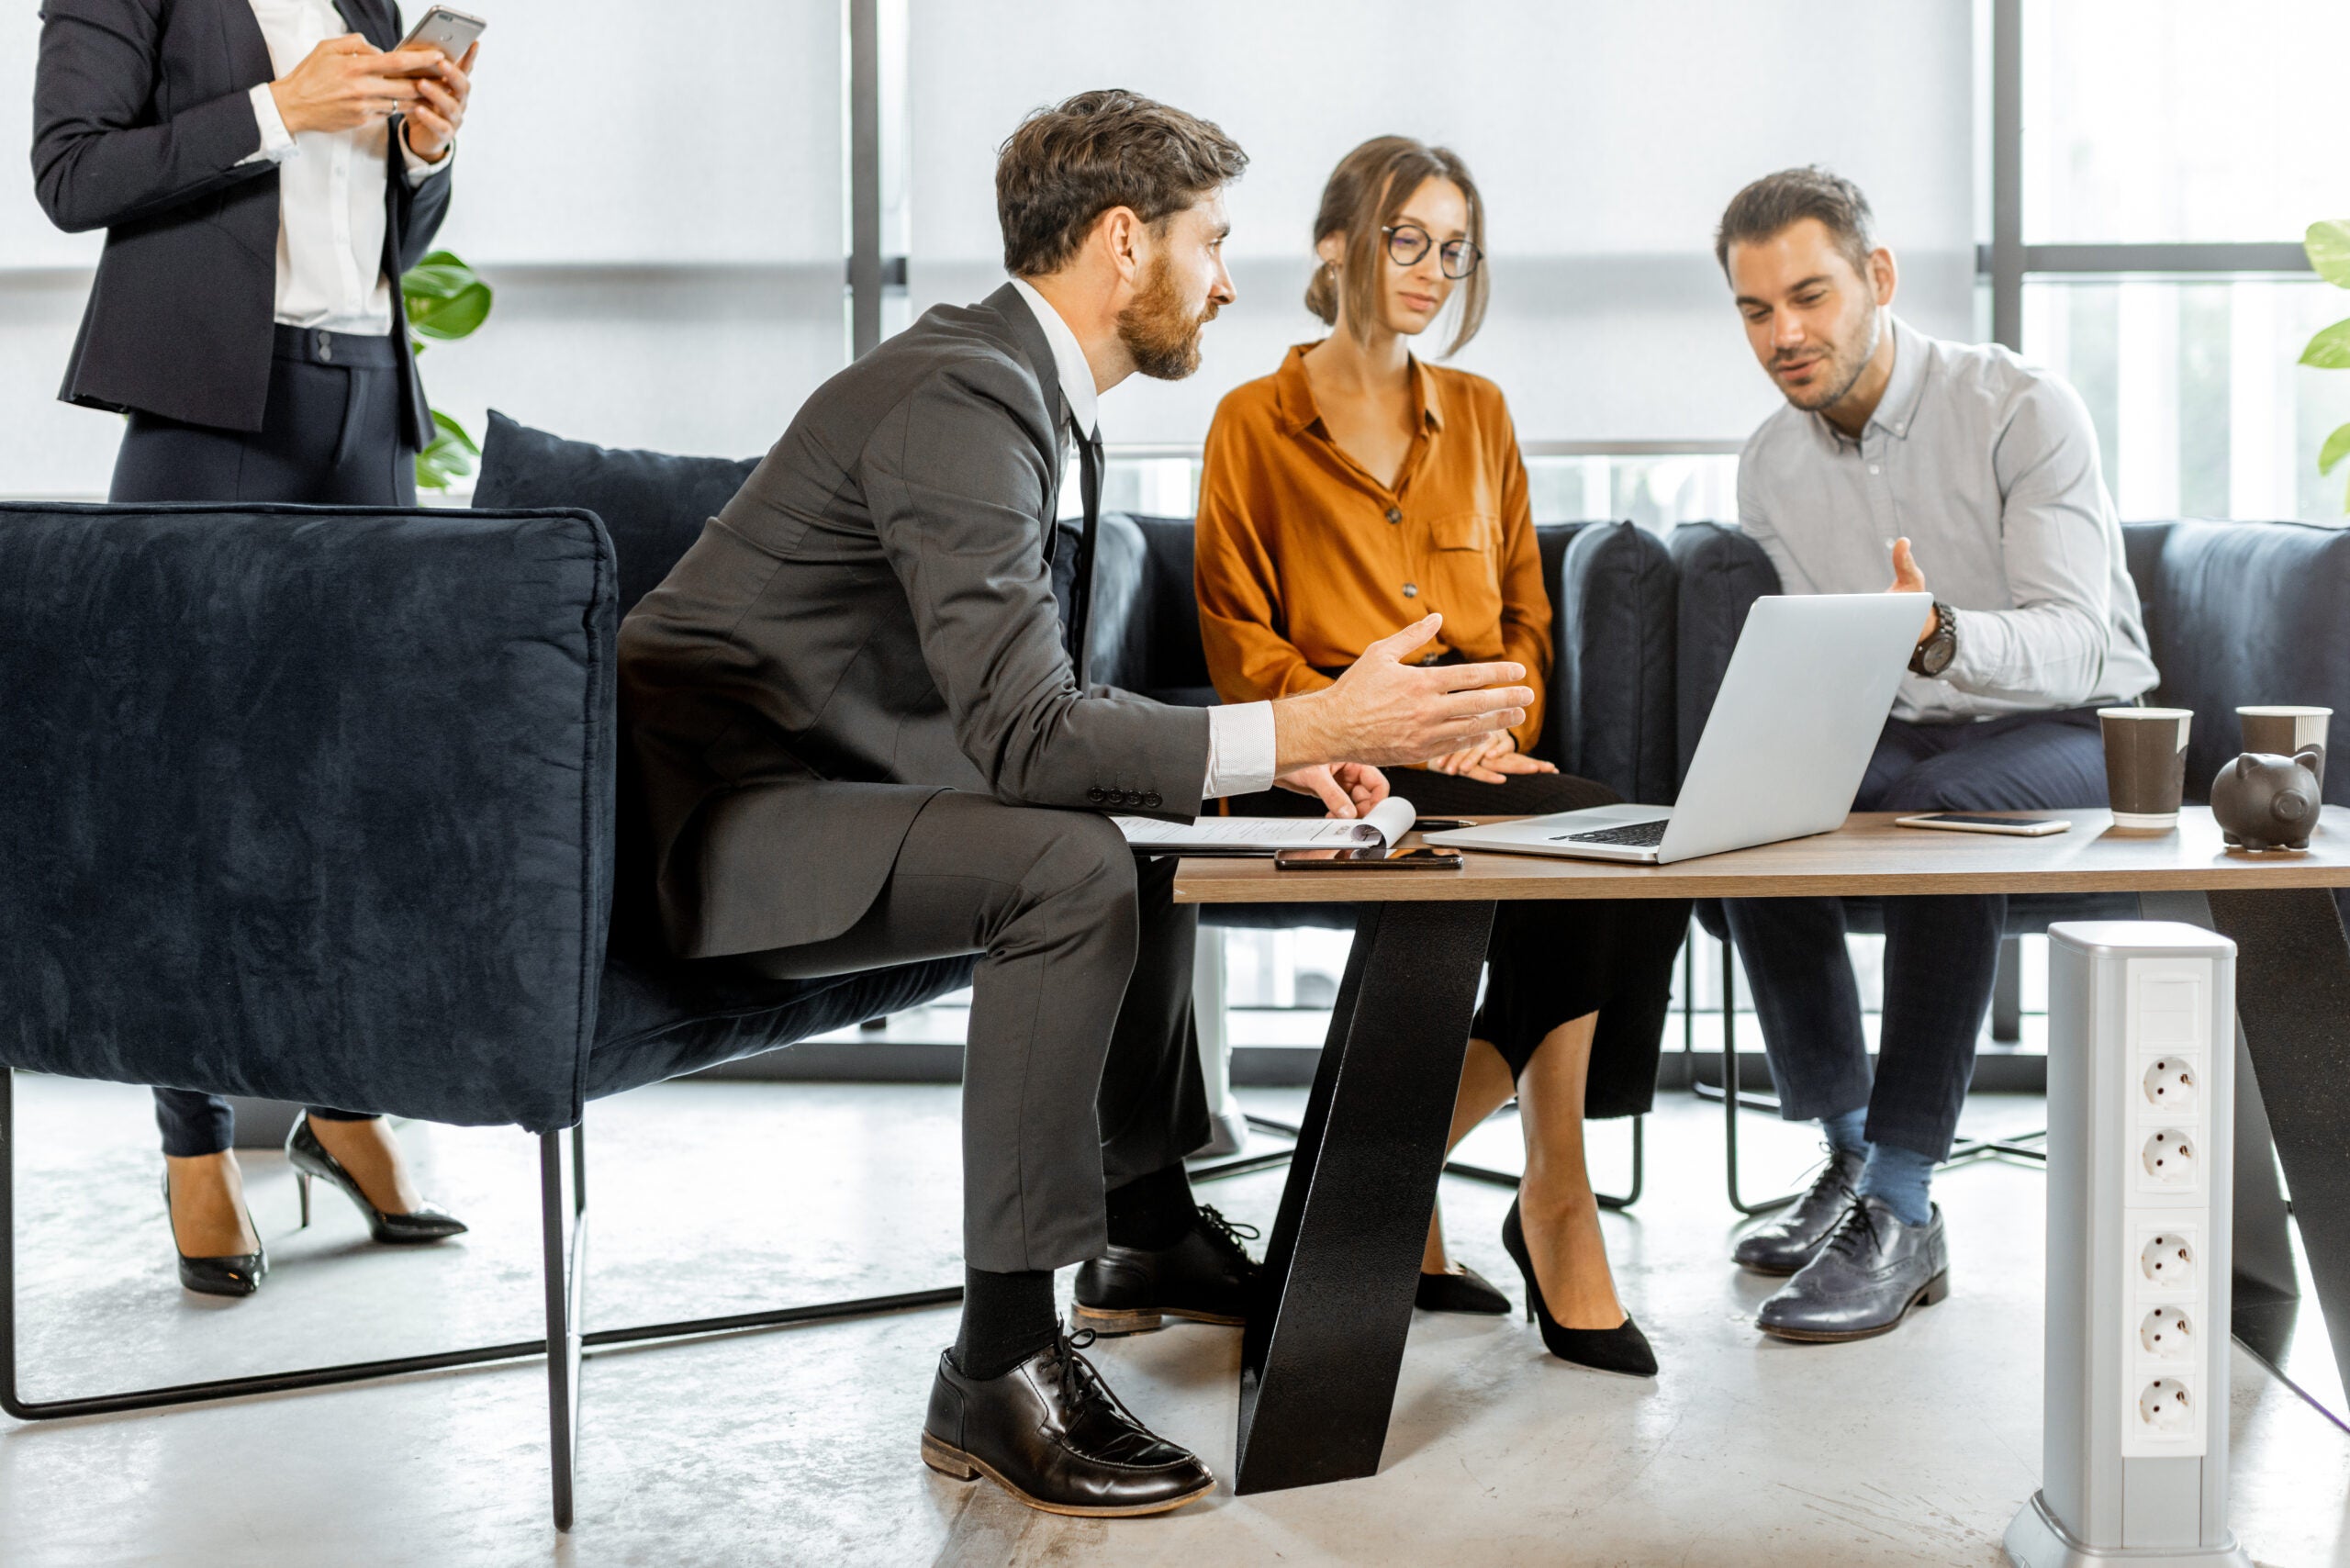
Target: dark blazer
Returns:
[869, 621]
[141, 120]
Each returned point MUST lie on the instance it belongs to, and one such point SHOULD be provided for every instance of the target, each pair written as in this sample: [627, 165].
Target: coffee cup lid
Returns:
[2145, 712]
[2284, 712]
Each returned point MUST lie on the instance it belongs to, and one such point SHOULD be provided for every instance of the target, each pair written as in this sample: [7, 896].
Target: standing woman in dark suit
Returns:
[264, 172]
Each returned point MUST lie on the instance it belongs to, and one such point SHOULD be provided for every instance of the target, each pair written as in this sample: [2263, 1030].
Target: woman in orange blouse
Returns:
[1356, 487]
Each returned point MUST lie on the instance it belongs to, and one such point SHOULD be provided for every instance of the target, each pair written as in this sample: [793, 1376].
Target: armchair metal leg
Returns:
[566, 1283]
[1730, 1095]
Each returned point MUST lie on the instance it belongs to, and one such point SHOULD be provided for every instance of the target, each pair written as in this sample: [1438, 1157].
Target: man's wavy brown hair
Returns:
[1068, 165]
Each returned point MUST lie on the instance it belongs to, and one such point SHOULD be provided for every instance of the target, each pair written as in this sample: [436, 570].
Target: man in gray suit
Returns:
[861, 743]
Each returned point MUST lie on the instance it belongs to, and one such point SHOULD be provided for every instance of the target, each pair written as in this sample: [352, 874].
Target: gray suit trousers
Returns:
[1080, 1068]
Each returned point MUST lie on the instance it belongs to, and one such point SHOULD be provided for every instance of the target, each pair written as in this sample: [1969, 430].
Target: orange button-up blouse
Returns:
[1303, 559]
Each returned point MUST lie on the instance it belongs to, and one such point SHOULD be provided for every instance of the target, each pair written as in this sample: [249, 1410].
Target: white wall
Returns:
[1606, 137]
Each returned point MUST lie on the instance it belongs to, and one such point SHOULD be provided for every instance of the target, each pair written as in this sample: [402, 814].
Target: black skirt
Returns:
[1552, 961]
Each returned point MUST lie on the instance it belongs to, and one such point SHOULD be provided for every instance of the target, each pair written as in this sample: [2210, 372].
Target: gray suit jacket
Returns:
[869, 621]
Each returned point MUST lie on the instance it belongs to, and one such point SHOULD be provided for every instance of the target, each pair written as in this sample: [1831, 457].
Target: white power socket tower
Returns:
[2141, 1070]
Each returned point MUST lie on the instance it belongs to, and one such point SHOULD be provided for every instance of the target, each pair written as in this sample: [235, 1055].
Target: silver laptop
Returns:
[1797, 717]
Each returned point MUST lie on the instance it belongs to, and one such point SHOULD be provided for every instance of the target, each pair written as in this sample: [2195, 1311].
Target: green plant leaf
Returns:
[446, 298]
[2330, 350]
[2337, 448]
[449, 456]
[2328, 247]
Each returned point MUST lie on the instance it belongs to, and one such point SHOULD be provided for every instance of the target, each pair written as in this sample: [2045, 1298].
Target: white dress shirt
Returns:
[1990, 467]
[1240, 735]
[331, 190]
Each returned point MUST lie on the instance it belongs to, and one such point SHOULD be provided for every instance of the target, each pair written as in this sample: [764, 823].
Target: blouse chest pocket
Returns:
[1465, 573]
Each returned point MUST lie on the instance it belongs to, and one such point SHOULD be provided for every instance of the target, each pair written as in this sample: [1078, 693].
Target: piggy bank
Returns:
[2263, 801]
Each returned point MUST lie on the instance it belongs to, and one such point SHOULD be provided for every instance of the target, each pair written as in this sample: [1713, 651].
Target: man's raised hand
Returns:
[1383, 710]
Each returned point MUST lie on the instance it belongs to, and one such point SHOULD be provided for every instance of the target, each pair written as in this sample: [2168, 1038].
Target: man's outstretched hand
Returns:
[1383, 710]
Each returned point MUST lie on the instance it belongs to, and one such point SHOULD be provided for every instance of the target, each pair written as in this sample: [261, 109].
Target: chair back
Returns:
[307, 804]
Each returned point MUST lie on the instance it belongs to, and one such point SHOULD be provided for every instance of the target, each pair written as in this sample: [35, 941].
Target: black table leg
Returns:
[1322, 1351]
[2293, 998]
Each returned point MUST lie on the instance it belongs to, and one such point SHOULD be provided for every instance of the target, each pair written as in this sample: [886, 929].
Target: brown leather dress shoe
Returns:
[1050, 1432]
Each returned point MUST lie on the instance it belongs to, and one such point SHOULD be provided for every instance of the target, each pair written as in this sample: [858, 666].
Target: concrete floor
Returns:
[798, 1446]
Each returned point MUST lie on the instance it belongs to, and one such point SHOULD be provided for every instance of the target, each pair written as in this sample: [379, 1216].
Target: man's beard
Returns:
[1162, 336]
[1846, 362]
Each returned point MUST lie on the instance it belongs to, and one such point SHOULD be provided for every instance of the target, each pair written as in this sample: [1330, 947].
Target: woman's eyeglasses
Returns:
[1407, 243]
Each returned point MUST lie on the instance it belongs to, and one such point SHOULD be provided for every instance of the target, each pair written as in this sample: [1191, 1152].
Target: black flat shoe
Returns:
[237, 1274]
[1050, 1432]
[1467, 1291]
[312, 1162]
[1207, 1277]
[1623, 1348]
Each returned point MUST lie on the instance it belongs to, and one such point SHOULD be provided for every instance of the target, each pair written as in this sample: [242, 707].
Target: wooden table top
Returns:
[1867, 855]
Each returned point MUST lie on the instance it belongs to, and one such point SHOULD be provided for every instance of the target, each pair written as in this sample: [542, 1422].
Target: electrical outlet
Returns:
[2167, 1333]
[2170, 1085]
[2167, 1260]
[2168, 1156]
[2168, 1409]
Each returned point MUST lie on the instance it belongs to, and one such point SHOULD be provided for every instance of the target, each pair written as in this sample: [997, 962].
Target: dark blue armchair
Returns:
[320, 805]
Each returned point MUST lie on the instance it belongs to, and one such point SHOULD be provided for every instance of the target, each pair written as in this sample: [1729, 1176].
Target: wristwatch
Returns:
[1939, 647]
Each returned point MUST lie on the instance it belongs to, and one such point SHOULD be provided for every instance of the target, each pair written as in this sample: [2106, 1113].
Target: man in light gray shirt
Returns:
[1942, 468]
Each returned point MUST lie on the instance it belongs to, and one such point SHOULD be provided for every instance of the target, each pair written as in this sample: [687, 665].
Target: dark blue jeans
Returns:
[1939, 953]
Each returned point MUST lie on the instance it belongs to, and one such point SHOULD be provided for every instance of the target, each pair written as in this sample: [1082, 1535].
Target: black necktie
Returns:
[1089, 457]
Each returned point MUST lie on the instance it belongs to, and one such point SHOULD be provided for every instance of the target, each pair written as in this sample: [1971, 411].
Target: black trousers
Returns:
[1552, 961]
[1081, 1068]
[1940, 952]
[333, 434]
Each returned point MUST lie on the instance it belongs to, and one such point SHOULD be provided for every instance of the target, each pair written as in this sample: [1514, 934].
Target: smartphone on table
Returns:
[1367, 857]
[1972, 821]
[451, 32]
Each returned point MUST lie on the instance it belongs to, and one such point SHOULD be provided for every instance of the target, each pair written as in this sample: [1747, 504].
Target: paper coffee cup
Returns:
[2145, 765]
[2285, 731]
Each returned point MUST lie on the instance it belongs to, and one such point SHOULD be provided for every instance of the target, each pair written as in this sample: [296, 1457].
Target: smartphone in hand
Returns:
[451, 32]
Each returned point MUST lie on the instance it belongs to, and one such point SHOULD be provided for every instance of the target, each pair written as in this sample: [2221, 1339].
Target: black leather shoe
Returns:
[236, 1275]
[1872, 1271]
[1794, 1238]
[312, 1162]
[1207, 1277]
[1467, 1291]
[1050, 1432]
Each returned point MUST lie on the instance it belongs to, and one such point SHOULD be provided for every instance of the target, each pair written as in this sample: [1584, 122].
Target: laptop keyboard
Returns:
[1645, 836]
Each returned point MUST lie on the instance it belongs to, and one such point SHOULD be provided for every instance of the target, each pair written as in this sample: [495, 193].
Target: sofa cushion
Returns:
[2252, 612]
[653, 504]
[1614, 613]
[1721, 574]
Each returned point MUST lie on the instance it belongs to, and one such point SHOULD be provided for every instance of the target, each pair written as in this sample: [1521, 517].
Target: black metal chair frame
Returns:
[2031, 1146]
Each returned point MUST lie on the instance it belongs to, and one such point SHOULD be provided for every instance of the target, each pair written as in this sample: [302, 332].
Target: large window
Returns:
[2170, 154]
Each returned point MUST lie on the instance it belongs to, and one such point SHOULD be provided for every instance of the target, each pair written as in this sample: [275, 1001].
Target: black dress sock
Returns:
[1006, 1319]
[1154, 1211]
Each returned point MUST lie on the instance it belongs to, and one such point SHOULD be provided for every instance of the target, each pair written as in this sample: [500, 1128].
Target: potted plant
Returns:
[446, 299]
[2328, 247]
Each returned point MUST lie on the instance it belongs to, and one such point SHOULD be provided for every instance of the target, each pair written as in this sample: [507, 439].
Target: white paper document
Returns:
[1384, 824]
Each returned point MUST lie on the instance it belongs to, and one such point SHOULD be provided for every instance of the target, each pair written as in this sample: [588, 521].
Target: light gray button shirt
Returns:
[1989, 467]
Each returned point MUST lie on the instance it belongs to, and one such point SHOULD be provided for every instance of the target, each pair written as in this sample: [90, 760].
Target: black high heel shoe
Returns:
[236, 1275]
[1623, 1348]
[312, 1162]
[1467, 1291]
